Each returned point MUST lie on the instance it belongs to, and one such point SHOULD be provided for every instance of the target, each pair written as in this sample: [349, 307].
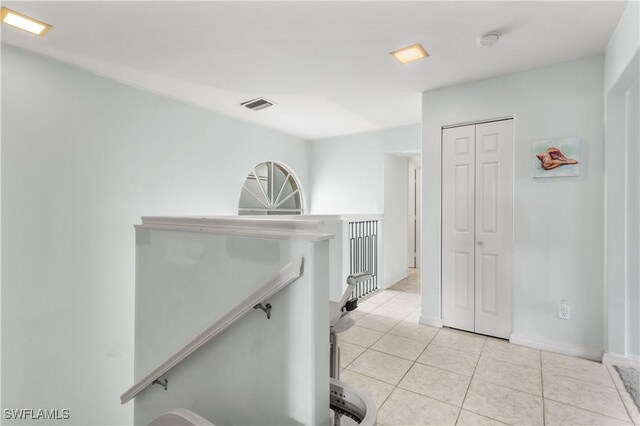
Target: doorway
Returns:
[399, 224]
[477, 227]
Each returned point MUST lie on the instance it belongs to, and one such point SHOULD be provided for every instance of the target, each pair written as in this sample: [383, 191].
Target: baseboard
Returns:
[624, 361]
[392, 282]
[559, 347]
[431, 321]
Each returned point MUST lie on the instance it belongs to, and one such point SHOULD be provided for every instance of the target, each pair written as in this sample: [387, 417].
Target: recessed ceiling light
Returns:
[24, 22]
[410, 53]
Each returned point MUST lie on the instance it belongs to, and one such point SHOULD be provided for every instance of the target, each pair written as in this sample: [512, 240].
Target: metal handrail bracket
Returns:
[288, 274]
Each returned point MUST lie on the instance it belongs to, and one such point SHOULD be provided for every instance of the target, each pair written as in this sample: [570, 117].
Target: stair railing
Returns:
[287, 275]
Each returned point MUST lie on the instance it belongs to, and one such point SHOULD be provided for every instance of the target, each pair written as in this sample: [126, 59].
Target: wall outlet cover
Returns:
[565, 311]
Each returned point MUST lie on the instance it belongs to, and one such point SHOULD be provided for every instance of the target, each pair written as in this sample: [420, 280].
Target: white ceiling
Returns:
[325, 64]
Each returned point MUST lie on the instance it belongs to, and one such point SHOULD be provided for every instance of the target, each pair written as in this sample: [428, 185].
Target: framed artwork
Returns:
[555, 157]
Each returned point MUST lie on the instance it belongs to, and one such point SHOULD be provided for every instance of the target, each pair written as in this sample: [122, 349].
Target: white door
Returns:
[494, 225]
[477, 205]
[458, 223]
[414, 178]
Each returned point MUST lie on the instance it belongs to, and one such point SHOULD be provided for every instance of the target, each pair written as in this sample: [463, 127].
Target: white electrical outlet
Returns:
[565, 310]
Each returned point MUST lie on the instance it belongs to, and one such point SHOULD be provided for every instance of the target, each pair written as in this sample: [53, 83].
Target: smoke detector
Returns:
[258, 104]
[488, 39]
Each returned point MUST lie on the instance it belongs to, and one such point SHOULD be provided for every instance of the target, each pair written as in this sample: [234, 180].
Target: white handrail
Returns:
[288, 274]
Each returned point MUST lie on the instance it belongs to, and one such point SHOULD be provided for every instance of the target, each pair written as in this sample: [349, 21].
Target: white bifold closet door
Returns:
[477, 226]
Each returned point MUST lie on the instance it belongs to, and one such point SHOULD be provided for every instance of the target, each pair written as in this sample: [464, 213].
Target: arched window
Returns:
[270, 189]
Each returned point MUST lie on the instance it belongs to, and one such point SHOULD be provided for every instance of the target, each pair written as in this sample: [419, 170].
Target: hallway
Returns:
[423, 375]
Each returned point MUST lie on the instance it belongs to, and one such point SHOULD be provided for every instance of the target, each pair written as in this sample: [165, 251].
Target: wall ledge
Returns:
[264, 227]
[624, 361]
[594, 354]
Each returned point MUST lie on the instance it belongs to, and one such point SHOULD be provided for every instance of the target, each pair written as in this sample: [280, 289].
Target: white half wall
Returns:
[622, 200]
[353, 175]
[558, 222]
[83, 158]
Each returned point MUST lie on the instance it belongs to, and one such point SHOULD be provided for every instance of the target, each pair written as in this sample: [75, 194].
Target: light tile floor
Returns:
[419, 375]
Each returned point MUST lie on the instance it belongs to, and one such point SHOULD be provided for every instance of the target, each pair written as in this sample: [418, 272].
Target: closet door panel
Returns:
[493, 228]
[458, 223]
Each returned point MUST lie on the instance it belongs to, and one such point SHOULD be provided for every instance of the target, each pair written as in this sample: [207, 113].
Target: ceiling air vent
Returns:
[258, 104]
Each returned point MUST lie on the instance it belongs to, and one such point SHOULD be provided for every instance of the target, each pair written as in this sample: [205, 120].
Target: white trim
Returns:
[238, 225]
[324, 217]
[285, 276]
[625, 361]
[431, 321]
[594, 354]
[473, 123]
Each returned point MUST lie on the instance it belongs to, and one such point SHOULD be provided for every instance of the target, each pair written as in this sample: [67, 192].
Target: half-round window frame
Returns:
[271, 188]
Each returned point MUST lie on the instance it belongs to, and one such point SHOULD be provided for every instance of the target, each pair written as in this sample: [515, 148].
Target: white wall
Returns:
[623, 46]
[348, 171]
[558, 223]
[633, 220]
[622, 293]
[396, 203]
[350, 175]
[83, 158]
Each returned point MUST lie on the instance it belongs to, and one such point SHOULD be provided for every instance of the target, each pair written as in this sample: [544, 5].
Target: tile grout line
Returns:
[485, 380]
[403, 376]
[488, 417]
[430, 342]
[469, 385]
[550, 399]
[395, 356]
[370, 377]
[442, 369]
[366, 348]
[481, 414]
[510, 362]
[352, 361]
[587, 410]
[510, 388]
[375, 329]
[396, 386]
[575, 406]
[387, 289]
[411, 338]
[586, 382]
[620, 395]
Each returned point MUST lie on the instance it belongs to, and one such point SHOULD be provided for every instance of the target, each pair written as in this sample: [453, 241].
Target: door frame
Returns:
[415, 201]
[513, 165]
